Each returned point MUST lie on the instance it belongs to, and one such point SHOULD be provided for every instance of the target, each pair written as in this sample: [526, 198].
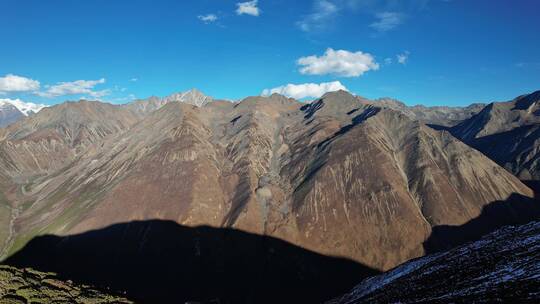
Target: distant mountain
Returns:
[31, 286]
[148, 105]
[338, 176]
[55, 136]
[11, 110]
[192, 97]
[508, 133]
[9, 114]
[502, 267]
[436, 115]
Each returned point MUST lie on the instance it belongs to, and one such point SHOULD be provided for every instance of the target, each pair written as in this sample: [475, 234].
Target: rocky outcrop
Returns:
[18, 286]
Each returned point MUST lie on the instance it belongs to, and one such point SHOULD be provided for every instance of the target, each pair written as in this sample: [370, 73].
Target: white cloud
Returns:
[134, 79]
[26, 108]
[340, 63]
[323, 13]
[402, 58]
[14, 83]
[75, 88]
[299, 91]
[248, 8]
[387, 21]
[208, 18]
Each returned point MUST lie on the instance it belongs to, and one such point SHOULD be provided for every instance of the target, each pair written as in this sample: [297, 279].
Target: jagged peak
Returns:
[192, 96]
[26, 108]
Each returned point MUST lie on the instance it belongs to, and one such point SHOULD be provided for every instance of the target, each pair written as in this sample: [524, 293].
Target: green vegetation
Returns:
[30, 286]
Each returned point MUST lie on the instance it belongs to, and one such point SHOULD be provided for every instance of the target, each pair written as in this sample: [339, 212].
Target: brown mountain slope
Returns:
[338, 177]
[38, 147]
[41, 144]
[508, 133]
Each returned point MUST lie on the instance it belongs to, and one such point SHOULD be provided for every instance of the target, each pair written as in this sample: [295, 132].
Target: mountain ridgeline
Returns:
[343, 176]
[508, 133]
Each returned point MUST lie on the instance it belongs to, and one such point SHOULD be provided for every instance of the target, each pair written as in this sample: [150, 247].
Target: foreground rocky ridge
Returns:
[21, 286]
[339, 176]
[501, 267]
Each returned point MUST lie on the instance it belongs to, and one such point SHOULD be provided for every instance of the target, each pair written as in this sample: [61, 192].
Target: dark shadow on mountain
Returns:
[163, 262]
[516, 210]
[504, 148]
[438, 127]
[360, 118]
[534, 185]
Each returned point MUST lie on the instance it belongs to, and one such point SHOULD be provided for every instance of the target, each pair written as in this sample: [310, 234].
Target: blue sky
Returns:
[451, 52]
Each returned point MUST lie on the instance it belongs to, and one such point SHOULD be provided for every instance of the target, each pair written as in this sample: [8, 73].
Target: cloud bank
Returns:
[300, 91]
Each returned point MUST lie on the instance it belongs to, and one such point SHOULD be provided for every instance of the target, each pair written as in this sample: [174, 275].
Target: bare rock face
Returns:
[143, 107]
[508, 133]
[339, 176]
[500, 268]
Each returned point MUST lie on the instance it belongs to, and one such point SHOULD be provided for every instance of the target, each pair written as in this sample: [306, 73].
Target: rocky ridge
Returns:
[501, 267]
[20, 286]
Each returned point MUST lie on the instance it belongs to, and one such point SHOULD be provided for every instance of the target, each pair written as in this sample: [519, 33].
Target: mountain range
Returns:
[372, 181]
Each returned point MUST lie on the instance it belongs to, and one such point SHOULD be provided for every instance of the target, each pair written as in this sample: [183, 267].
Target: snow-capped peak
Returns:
[26, 108]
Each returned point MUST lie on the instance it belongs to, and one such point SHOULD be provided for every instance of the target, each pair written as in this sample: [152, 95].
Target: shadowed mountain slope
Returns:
[163, 262]
[508, 133]
[339, 177]
[502, 267]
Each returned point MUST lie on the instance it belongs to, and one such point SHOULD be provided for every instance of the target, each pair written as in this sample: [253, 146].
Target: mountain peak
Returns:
[337, 94]
[193, 97]
[26, 108]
